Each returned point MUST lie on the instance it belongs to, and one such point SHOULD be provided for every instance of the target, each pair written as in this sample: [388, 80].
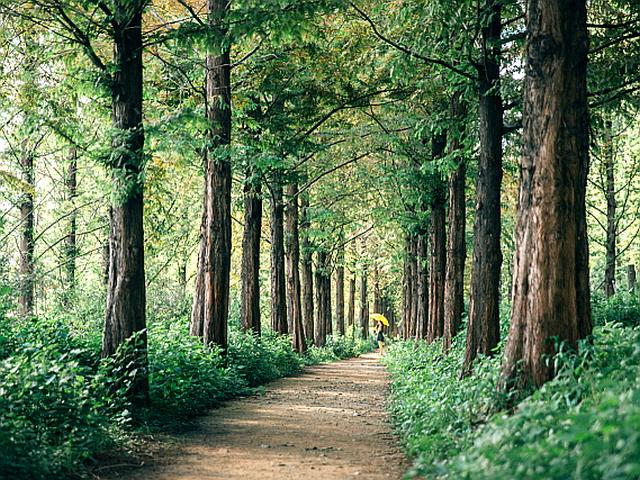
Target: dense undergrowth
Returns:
[585, 424]
[60, 404]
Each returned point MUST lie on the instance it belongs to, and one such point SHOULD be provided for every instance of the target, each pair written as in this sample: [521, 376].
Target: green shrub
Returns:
[621, 308]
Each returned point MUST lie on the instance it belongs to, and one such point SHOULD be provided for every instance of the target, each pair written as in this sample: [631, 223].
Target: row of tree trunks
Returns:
[456, 239]
[438, 245]
[293, 269]
[211, 297]
[483, 331]
[551, 295]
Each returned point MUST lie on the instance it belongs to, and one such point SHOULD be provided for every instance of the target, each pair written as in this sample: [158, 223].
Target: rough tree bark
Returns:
[422, 280]
[323, 299]
[549, 265]
[70, 246]
[340, 295]
[27, 243]
[631, 278]
[417, 266]
[610, 195]
[483, 331]
[279, 321]
[364, 304]
[438, 248]
[294, 300]
[250, 275]
[456, 239]
[212, 290]
[306, 268]
[126, 293]
[351, 311]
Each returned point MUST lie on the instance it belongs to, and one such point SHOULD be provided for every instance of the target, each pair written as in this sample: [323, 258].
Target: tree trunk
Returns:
[278, 286]
[196, 326]
[631, 278]
[456, 239]
[126, 293]
[407, 285]
[323, 299]
[340, 297]
[422, 279]
[306, 270]
[70, 247]
[610, 194]
[364, 305]
[351, 312]
[250, 270]
[27, 243]
[417, 267]
[549, 264]
[213, 293]
[293, 269]
[483, 332]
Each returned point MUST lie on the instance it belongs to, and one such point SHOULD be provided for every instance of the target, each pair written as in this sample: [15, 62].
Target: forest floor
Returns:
[330, 422]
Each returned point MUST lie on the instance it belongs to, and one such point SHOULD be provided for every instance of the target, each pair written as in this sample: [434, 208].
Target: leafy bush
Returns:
[621, 308]
[583, 424]
[338, 347]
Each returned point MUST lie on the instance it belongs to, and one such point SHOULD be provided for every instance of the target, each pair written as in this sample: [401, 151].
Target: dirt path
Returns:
[328, 423]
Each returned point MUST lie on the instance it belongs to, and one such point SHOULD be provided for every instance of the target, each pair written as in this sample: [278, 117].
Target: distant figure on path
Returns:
[380, 337]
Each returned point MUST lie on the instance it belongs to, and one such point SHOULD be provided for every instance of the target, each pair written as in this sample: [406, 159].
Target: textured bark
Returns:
[196, 325]
[126, 293]
[416, 271]
[215, 264]
[323, 299]
[550, 261]
[27, 243]
[456, 240]
[351, 311]
[438, 248]
[422, 279]
[407, 288]
[306, 269]
[364, 305]
[483, 332]
[340, 299]
[70, 246]
[279, 321]
[250, 269]
[293, 269]
[610, 195]
[631, 278]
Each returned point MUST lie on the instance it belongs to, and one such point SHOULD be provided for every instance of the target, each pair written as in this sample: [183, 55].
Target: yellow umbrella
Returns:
[378, 317]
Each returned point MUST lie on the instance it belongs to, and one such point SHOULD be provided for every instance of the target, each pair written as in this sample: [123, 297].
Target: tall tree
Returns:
[340, 291]
[70, 245]
[306, 269]
[211, 300]
[351, 310]
[364, 304]
[27, 243]
[550, 259]
[279, 322]
[250, 274]
[293, 268]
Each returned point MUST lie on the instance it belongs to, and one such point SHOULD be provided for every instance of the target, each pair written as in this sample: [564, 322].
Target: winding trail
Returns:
[327, 423]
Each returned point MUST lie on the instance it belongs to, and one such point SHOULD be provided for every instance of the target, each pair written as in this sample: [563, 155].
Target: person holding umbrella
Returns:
[381, 322]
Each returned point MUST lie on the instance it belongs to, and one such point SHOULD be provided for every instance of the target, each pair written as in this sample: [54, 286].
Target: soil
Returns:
[330, 422]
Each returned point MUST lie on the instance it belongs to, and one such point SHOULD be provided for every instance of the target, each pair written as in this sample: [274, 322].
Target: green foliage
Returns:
[338, 347]
[583, 424]
[621, 308]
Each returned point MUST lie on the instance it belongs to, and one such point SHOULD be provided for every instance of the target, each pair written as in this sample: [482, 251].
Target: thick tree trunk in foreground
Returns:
[610, 195]
[456, 241]
[294, 300]
[279, 321]
[27, 243]
[213, 291]
[351, 311]
[438, 248]
[70, 246]
[364, 305]
[549, 265]
[483, 332]
[126, 293]
[340, 298]
[306, 269]
[250, 274]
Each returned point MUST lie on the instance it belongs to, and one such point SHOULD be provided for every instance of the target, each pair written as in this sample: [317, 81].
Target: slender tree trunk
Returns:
[323, 299]
[422, 279]
[416, 270]
[126, 293]
[364, 305]
[213, 291]
[293, 269]
[306, 270]
[250, 276]
[549, 266]
[196, 326]
[610, 194]
[340, 298]
[631, 278]
[456, 239]
[27, 243]
[279, 321]
[70, 248]
[407, 289]
[483, 332]
[351, 312]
